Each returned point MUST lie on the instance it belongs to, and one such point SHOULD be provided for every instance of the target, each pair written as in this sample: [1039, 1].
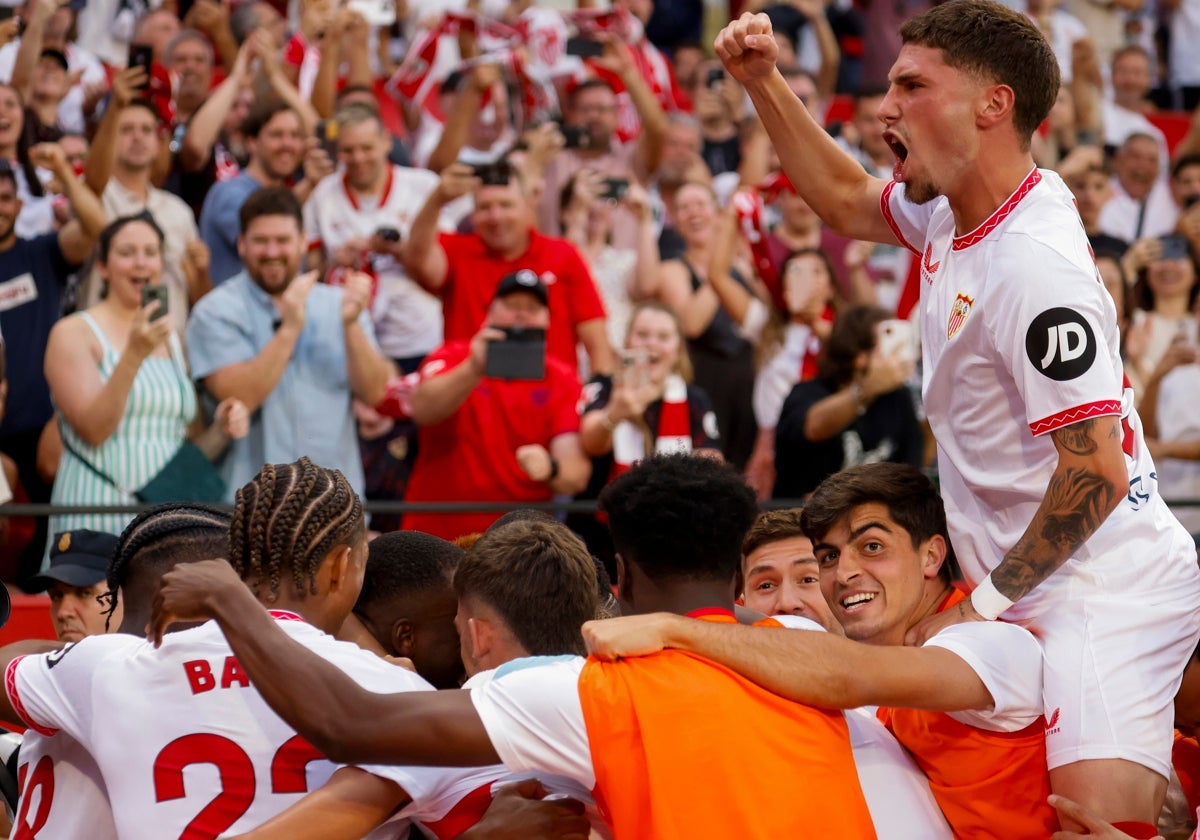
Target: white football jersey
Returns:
[408, 320]
[446, 801]
[184, 743]
[62, 792]
[1019, 339]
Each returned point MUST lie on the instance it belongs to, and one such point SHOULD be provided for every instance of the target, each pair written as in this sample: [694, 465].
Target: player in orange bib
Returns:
[651, 737]
[967, 704]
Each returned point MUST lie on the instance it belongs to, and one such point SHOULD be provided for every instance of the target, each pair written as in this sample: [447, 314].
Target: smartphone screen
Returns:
[521, 355]
[155, 294]
[584, 48]
[141, 56]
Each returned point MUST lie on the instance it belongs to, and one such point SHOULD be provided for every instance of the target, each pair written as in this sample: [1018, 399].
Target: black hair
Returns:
[406, 562]
[270, 201]
[680, 516]
[912, 501]
[262, 113]
[7, 174]
[1183, 162]
[159, 538]
[586, 85]
[853, 333]
[287, 519]
[26, 140]
[105, 240]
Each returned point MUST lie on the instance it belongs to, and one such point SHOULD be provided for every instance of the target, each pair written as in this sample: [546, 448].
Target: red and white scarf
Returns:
[673, 436]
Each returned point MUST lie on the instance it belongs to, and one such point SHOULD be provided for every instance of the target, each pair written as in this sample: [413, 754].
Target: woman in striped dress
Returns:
[120, 384]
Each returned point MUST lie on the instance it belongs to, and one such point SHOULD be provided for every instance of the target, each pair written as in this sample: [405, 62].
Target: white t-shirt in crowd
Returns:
[408, 320]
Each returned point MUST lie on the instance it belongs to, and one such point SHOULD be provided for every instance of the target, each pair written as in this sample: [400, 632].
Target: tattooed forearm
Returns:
[1076, 502]
[1078, 437]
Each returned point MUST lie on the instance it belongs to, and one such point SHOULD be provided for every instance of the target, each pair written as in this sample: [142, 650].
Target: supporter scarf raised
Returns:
[674, 434]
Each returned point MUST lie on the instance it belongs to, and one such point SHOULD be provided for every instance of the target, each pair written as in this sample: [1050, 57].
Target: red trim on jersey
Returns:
[10, 686]
[886, 208]
[1100, 408]
[707, 611]
[466, 813]
[1002, 212]
[285, 615]
[387, 189]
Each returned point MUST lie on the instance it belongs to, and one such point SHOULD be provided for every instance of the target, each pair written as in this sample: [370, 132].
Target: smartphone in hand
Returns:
[521, 354]
[142, 56]
[155, 294]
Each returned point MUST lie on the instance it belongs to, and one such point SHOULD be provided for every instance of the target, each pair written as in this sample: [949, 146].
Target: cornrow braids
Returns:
[287, 519]
[150, 529]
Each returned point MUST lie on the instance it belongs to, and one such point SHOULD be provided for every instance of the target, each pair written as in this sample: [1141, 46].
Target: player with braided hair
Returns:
[298, 540]
[153, 544]
[291, 516]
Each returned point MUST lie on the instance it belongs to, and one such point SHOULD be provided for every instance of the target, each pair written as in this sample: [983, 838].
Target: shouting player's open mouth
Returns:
[899, 151]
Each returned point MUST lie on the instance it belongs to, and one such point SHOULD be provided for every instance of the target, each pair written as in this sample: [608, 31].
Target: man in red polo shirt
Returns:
[466, 269]
[489, 434]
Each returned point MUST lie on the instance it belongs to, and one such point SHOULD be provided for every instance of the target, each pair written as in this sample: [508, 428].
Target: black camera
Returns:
[388, 234]
[714, 78]
[615, 188]
[520, 355]
[497, 174]
[576, 136]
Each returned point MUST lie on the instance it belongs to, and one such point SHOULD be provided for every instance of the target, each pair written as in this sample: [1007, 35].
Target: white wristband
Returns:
[987, 600]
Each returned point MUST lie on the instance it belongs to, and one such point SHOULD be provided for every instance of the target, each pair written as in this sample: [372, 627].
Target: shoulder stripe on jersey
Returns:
[10, 686]
[514, 665]
[1002, 212]
[1100, 408]
[886, 207]
[285, 615]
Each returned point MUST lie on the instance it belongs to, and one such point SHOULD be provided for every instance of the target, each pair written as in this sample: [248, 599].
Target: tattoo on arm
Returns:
[1077, 438]
[1078, 499]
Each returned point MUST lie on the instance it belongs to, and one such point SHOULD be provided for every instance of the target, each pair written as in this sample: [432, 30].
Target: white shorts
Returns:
[1114, 661]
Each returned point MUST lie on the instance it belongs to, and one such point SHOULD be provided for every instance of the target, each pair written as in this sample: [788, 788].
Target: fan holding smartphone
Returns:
[498, 416]
[127, 407]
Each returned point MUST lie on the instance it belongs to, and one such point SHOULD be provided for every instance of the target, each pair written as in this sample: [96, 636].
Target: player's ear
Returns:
[933, 554]
[403, 637]
[995, 105]
[482, 635]
[339, 562]
[624, 580]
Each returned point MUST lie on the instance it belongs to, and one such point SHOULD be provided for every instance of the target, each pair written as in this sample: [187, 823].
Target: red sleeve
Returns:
[583, 298]
[566, 399]
[453, 245]
[444, 359]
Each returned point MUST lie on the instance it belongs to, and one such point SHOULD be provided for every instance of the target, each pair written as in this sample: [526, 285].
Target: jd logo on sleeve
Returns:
[1060, 344]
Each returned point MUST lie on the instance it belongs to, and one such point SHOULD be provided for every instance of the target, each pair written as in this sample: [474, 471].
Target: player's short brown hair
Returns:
[912, 501]
[993, 41]
[539, 578]
[773, 526]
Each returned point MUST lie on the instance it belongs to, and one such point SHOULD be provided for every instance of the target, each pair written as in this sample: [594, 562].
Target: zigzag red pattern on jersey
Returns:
[1074, 415]
[10, 686]
[886, 208]
[993, 221]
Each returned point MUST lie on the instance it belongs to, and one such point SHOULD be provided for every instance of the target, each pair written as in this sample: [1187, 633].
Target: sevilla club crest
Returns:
[958, 314]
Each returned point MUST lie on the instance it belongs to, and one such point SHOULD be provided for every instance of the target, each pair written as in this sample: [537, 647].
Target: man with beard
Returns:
[293, 350]
[275, 138]
[1051, 495]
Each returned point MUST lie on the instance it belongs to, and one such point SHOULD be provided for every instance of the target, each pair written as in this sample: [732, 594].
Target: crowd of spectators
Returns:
[367, 227]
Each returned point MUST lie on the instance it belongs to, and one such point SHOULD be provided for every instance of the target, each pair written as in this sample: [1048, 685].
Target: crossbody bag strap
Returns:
[96, 471]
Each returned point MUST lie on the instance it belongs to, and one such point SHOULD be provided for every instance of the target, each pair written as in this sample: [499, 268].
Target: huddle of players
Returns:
[645, 743]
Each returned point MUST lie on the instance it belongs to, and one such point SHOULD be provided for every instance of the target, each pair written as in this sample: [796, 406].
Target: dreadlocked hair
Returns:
[162, 531]
[287, 519]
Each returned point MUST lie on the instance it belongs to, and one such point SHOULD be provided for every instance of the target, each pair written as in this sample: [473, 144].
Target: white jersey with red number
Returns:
[1019, 339]
[62, 792]
[446, 801]
[408, 320]
[185, 745]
